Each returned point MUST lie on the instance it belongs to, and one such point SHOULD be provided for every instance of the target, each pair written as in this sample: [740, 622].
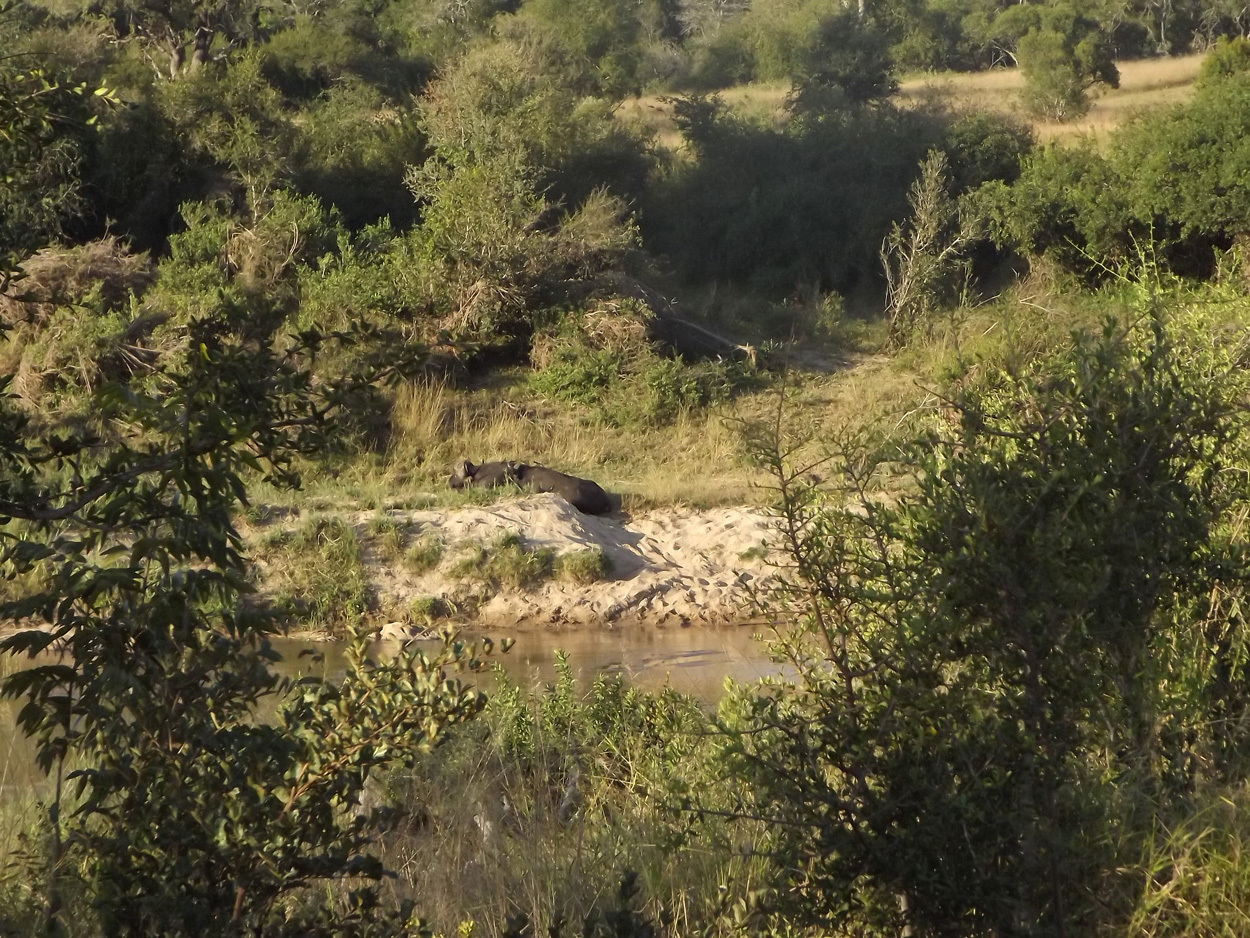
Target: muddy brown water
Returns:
[694, 660]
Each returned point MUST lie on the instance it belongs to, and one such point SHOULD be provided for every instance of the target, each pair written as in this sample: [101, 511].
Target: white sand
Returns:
[669, 567]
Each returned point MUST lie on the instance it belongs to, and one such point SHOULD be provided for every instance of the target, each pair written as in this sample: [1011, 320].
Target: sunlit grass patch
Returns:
[315, 573]
[584, 566]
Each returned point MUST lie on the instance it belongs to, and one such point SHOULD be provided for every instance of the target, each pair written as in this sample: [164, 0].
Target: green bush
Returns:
[767, 208]
[191, 815]
[1009, 667]
[607, 365]
[556, 791]
[1229, 58]
[353, 151]
[316, 574]
[584, 566]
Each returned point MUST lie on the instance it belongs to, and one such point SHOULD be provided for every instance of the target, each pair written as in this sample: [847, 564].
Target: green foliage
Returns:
[354, 151]
[231, 117]
[424, 554]
[1174, 179]
[42, 124]
[768, 208]
[1188, 164]
[497, 103]
[598, 42]
[553, 793]
[584, 566]
[605, 363]
[1229, 58]
[316, 574]
[194, 817]
[507, 563]
[1062, 52]
[1008, 668]
[782, 35]
[1194, 873]
[981, 147]
[926, 264]
[255, 263]
[849, 62]
[1069, 202]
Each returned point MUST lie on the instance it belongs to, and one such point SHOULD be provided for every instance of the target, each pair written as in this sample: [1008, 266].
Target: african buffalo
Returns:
[584, 495]
[487, 475]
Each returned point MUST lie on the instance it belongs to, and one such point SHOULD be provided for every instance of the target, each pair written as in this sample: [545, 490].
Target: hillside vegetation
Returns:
[277, 254]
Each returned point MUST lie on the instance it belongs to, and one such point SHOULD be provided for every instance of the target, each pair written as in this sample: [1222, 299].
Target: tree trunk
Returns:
[176, 57]
[203, 43]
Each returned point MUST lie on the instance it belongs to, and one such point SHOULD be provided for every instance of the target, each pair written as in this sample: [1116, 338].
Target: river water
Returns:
[692, 660]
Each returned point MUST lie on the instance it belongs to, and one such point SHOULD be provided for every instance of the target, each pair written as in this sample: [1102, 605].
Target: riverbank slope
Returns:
[523, 562]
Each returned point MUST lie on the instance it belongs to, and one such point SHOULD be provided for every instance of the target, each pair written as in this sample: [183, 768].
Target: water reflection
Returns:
[693, 660]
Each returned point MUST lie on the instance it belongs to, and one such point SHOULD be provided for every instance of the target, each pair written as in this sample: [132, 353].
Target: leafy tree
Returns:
[233, 118]
[1230, 57]
[1062, 53]
[1070, 203]
[1188, 166]
[851, 56]
[194, 817]
[598, 41]
[42, 124]
[1006, 665]
[180, 35]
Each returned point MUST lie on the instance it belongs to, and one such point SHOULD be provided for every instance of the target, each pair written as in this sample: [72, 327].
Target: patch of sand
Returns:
[669, 566]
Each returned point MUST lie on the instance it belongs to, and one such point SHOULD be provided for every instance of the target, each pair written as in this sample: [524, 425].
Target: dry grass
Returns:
[1144, 84]
[695, 460]
[57, 276]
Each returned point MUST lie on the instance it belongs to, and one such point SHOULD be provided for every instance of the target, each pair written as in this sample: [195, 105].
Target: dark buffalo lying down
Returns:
[583, 494]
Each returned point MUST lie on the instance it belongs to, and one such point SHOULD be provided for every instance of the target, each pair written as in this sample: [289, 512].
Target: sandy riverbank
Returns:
[668, 567]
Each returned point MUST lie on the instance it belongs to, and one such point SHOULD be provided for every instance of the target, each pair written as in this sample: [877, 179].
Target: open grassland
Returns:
[1144, 85]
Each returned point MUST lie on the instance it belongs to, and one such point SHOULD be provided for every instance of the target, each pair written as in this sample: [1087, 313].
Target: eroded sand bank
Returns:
[669, 567]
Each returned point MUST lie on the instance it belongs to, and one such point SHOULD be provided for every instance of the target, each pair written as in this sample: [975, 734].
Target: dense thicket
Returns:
[1172, 184]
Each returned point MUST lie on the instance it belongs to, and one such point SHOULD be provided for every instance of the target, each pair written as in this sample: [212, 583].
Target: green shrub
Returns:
[316, 575]
[424, 554]
[427, 609]
[1229, 58]
[566, 786]
[1049, 610]
[507, 563]
[354, 149]
[584, 566]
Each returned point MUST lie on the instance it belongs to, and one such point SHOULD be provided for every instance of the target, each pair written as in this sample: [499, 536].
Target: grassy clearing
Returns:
[1144, 84]
[697, 460]
[694, 460]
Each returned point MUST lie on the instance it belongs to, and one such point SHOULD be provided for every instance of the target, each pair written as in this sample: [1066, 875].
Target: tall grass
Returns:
[1196, 876]
[540, 808]
[695, 459]
[315, 573]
